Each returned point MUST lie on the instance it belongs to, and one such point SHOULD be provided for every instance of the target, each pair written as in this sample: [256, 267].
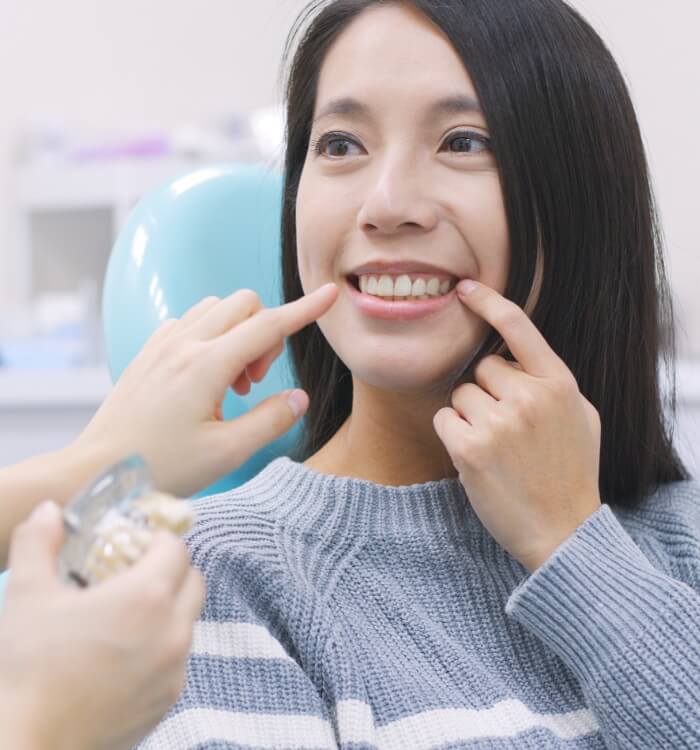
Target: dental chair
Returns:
[209, 232]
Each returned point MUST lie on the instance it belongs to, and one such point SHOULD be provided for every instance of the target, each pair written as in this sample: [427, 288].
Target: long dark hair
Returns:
[576, 188]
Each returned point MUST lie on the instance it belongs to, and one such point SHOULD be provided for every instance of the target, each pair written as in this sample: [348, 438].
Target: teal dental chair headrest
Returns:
[209, 232]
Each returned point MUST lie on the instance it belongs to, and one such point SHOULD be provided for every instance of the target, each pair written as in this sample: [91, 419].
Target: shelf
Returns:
[72, 186]
[84, 387]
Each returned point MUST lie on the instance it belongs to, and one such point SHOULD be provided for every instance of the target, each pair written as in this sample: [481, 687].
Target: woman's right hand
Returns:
[167, 403]
[95, 668]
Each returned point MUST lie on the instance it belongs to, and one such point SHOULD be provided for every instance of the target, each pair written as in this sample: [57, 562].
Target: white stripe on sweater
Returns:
[506, 718]
[274, 731]
[421, 731]
[236, 640]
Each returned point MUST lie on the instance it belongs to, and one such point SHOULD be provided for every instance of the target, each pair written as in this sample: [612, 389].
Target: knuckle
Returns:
[459, 395]
[183, 354]
[167, 325]
[509, 316]
[489, 359]
[249, 296]
[481, 369]
[500, 421]
[525, 403]
[171, 348]
[270, 317]
[593, 413]
[564, 387]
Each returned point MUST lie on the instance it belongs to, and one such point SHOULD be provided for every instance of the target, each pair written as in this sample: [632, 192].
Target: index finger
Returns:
[521, 335]
[267, 328]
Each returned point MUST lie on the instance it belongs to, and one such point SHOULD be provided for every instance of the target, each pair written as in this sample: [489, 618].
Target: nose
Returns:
[397, 198]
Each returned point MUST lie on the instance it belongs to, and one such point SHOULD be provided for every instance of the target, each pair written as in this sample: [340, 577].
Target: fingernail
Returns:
[298, 401]
[44, 512]
[466, 286]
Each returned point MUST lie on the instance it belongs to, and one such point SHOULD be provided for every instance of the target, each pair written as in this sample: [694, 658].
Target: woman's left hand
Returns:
[525, 441]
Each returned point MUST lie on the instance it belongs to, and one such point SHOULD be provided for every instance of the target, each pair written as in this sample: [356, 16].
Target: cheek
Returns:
[324, 218]
[483, 224]
[306, 212]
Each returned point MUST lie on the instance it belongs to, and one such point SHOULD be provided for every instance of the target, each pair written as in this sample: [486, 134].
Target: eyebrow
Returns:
[449, 105]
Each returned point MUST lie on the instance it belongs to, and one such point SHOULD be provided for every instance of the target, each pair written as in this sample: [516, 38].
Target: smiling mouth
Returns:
[354, 281]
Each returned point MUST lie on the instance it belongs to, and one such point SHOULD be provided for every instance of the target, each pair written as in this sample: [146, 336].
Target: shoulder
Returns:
[242, 529]
[234, 543]
[665, 524]
[670, 508]
[241, 521]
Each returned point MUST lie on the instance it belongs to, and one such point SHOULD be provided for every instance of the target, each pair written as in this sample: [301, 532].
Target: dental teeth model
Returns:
[111, 524]
[123, 537]
[403, 287]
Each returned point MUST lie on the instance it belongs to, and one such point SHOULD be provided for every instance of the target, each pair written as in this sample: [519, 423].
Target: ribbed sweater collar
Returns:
[315, 501]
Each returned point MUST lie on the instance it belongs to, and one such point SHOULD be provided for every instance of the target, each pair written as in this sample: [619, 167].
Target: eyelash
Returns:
[321, 141]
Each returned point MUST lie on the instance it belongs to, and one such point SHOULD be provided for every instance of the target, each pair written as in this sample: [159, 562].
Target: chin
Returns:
[393, 378]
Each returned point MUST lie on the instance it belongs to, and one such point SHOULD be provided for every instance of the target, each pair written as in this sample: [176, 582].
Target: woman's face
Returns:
[398, 181]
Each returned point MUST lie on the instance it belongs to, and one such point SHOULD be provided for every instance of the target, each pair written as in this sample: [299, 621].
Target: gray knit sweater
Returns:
[346, 614]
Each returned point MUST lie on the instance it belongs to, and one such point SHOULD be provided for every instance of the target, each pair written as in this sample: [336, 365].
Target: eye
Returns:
[468, 142]
[338, 141]
[465, 142]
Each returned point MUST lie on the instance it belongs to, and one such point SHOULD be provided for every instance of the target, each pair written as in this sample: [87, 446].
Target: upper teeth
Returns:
[403, 286]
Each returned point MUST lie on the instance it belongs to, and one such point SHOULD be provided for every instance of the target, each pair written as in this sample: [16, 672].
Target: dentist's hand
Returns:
[167, 403]
[95, 668]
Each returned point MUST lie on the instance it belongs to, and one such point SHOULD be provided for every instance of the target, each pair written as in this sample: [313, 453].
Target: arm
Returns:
[627, 630]
[167, 406]
[96, 668]
[57, 476]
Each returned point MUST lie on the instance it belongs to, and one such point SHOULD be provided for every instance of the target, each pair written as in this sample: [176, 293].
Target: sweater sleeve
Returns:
[243, 687]
[628, 631]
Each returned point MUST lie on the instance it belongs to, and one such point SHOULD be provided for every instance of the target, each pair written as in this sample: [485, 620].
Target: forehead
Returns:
[391, 53]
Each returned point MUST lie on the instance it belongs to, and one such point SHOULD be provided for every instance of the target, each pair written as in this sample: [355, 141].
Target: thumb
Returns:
[36, 543]
[264, 423]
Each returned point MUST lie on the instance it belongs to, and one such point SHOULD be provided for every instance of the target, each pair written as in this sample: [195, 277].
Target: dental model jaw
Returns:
[122, 538]
[404, 286]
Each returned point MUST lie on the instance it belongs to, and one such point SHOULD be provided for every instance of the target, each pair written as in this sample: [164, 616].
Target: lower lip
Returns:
[399, 310]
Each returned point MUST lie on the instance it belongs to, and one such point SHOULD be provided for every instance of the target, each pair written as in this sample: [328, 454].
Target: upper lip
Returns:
[400, 267]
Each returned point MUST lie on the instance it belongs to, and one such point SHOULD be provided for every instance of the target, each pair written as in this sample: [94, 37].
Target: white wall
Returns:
[656, 45]
[129, 64]
[102, 63]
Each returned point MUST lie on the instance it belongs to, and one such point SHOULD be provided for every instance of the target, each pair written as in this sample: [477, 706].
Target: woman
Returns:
[469, 548]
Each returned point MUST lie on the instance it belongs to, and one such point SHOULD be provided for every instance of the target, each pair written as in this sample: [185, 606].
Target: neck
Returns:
[388, 439]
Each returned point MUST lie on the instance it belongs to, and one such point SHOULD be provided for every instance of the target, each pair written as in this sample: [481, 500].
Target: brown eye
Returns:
[338, 145]
[468, 143]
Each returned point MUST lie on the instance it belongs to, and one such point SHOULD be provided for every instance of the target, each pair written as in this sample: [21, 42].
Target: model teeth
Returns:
[402, 287]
